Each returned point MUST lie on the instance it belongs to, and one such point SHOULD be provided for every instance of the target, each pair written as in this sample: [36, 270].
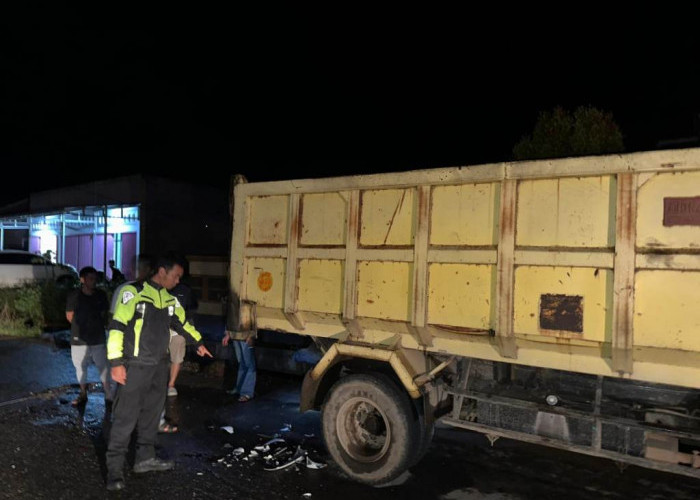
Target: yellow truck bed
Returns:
[590, 264]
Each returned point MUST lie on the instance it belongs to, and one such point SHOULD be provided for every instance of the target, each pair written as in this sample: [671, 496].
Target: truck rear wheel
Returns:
[370, 428]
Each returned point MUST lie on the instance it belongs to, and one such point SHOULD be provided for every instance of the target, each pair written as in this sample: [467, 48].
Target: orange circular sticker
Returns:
[265, 281]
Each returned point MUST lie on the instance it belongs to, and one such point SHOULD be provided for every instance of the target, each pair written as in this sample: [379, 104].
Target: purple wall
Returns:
[98, 256]
[35, 244]
[84, 251]
[81, 252]
[71, 251]
[110, 254]
[129, 252]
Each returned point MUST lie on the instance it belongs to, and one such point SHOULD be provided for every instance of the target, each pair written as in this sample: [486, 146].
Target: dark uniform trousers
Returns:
[138, 404]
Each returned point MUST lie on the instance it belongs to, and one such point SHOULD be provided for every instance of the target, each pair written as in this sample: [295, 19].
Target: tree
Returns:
[559, 133]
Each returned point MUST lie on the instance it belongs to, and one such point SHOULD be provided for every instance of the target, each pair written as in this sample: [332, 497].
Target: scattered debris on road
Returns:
[275, 454]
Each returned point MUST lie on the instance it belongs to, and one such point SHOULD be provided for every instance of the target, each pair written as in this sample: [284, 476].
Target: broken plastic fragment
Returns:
[274, 440]
[228, 429]
[298, 457]
[286, 428]
[286, 464]
[238, 451]
[281, 451]
[307, 495]
[310, 464]
[253, 454]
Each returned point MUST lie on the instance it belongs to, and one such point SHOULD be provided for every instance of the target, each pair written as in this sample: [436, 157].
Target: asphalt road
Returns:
[50, 450]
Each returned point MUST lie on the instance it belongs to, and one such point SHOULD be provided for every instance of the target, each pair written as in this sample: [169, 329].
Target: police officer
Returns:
[137, 350]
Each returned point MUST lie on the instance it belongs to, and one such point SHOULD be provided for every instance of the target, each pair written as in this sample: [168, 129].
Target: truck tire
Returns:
[370, 428]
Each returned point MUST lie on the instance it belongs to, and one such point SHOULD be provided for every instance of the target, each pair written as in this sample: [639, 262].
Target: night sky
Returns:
[281, 100]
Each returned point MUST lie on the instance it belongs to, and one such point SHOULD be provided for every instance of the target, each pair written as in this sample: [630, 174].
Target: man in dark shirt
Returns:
[86, 310]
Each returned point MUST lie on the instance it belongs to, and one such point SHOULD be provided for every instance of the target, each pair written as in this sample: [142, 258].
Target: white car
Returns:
[19, 266]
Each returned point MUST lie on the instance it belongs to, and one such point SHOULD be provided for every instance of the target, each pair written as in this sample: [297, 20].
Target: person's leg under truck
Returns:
[126, 411]
[153, 403]
[248, 388]
[247, 372]
[240, 375]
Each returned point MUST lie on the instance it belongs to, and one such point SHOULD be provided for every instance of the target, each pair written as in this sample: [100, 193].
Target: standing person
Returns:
[86, 311]
[117, 275]
[184, 295]
[244, 346]
[138, 352]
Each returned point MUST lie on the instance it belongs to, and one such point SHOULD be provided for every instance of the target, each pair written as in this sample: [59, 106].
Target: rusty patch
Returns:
[294, 233]
[505, 255]
[393, 217]
[463, 329]
[354, 216]
[507, 222]
[561, 312]
[264, 281]
[625, 208]
[682, 211]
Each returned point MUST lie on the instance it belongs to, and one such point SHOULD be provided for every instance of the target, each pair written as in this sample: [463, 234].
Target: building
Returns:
[90, 224]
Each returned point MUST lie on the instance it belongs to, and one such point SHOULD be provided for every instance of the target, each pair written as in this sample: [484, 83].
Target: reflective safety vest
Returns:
[140, 328]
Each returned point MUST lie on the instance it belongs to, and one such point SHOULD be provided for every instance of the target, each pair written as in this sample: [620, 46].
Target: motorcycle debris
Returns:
[310, 464]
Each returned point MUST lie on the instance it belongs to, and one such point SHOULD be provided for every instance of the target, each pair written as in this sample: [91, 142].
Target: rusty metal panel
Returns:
[384, 290]
[593, 288]
[387, 217]
[682, 211]
[267, 220]
[462, 295]
[420, 257]
[350, 285]
[292, 271]
[668, 211]
[667, 311]
[567, 212]
[623, 281]
[561, 312]
[265, 281]
[321, 285]
[323, 219]
[465, 215]
[505, 269]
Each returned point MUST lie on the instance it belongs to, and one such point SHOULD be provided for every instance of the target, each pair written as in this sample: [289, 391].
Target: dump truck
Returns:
[551, 301]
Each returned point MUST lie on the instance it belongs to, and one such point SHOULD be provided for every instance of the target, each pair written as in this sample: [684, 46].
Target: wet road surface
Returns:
[49, 449]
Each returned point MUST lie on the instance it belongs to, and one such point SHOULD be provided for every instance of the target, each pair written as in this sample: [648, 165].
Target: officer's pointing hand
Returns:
[203, 351]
